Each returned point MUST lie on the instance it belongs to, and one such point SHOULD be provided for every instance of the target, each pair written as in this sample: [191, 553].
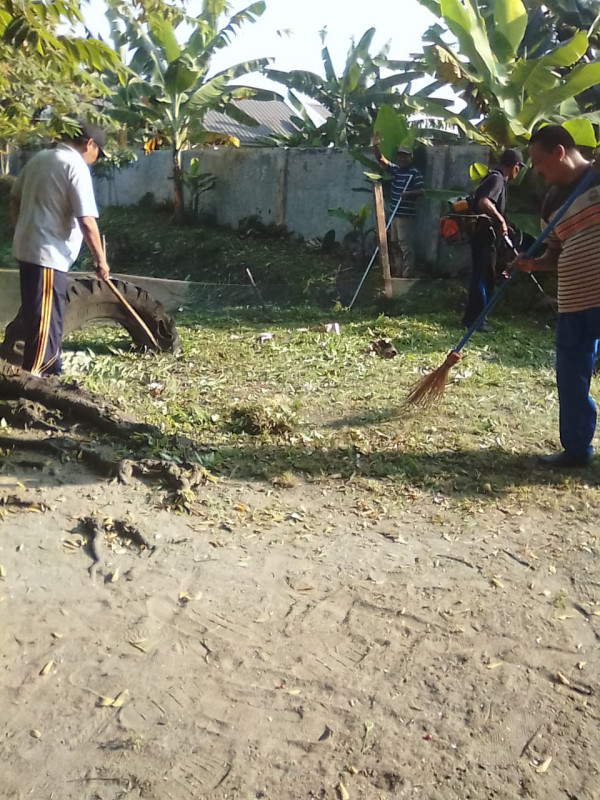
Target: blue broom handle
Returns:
[583, 184]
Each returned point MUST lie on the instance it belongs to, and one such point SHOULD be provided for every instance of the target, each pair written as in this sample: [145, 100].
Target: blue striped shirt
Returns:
[400, 178]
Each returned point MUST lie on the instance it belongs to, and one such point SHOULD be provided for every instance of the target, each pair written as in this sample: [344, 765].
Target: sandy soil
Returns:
[312, 642]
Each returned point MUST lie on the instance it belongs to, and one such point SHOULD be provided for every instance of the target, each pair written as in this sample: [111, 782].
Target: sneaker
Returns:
[563, 460]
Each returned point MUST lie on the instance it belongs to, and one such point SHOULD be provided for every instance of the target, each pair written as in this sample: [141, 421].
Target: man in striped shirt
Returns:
[407, 187]
[573, 249]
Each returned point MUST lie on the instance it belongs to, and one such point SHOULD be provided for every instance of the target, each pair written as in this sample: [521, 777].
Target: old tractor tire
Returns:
[90, 300]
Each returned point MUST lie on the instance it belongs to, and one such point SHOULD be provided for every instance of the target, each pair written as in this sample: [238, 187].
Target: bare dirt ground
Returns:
[311, 642]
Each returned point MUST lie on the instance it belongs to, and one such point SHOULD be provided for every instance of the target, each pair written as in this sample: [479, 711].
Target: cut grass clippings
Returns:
[316, 406]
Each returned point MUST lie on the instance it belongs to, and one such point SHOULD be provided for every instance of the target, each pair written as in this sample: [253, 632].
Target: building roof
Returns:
[273, 117]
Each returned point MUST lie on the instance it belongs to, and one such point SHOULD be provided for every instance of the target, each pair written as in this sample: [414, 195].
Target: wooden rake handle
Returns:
[128, 305]
[133, 313]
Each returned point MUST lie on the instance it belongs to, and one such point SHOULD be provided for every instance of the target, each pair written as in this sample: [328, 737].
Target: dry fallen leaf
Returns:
[496, 583]
[46, 668]
[342, 791]
[120, 699]
[187, 597]
[351, 769]
[581, 664]
[115, 576]
[543, 767]
[563, 679]
[495, 665]
[2, 572]
[140, 644]
[105, 701]
[35, 733]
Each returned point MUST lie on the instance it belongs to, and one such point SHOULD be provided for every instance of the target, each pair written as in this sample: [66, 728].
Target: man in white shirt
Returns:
[54, 210]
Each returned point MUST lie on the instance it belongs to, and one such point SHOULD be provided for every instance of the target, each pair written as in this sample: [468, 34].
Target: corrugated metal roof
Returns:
[272, 115]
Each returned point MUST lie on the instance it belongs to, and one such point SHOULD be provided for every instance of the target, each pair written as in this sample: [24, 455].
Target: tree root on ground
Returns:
[75, 404]
[68, 417]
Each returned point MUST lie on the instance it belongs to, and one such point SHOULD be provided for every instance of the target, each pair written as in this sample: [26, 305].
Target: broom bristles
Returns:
[430, 389]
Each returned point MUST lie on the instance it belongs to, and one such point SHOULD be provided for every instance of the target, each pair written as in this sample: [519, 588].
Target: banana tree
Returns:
[169, 89]
[506, 89]
[352, 98]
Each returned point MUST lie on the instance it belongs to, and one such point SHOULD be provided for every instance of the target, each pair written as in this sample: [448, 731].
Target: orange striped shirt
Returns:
[577, 237]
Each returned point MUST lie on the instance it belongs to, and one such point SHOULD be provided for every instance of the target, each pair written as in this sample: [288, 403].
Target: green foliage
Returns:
[351, 98]
[582, 132]
[356, 219]
[118, 159]
[359, 233]
[142, 240]
[169, 89]
[510, 87]
[393, 130]
[48, 71]
[197, 183]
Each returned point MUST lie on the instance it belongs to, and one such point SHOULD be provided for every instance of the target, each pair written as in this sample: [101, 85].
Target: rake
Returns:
[430, 388]
[132, 312]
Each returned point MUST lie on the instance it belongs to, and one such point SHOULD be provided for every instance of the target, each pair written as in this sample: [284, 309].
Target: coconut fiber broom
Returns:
[430, 388]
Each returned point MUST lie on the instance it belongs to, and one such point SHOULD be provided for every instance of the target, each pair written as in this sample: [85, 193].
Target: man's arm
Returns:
[418, 186]
[485, 206]
[544, 263]
[15, 205]
[91, 236]
[375, 142]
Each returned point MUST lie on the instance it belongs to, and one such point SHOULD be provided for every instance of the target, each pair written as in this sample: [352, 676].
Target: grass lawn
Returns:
[303, 402]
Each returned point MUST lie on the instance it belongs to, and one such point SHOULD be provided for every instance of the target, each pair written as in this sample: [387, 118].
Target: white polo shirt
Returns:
[54, 189]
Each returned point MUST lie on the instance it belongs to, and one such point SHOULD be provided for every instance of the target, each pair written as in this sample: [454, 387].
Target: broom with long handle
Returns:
[430, 388]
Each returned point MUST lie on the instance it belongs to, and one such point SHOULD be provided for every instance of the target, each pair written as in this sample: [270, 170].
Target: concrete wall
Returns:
[296, 188]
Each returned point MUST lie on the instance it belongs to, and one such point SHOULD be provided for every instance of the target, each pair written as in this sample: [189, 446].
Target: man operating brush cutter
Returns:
[573, 246]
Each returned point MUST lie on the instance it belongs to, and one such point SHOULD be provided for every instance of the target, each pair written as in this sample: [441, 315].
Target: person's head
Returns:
[511, 162]
[554, 154]
[404, 157]
[90, 142]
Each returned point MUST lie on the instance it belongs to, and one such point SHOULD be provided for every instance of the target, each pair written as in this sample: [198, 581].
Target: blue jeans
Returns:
[481, 285]
[577, 335]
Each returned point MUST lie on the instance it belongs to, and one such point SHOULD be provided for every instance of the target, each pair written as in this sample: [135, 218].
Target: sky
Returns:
[402, 22]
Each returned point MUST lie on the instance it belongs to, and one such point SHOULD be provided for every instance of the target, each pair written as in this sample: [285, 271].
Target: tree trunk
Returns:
[178, 207]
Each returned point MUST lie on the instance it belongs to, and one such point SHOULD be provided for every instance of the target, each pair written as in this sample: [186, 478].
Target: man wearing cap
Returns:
[53, 209]
[489, 201]
[407, 187]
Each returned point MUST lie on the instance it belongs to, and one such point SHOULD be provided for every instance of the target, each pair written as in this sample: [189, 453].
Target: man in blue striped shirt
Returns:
[407, 187]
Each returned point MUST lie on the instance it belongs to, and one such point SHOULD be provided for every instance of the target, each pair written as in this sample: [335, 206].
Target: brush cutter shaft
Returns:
[583, 184]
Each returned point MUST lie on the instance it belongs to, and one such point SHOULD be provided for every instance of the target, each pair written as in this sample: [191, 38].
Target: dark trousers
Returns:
[577, 335]
[43, 295]
[481, 285]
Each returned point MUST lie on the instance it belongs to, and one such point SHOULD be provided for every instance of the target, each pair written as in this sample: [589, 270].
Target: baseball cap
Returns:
[404, 151]
[89, 131]
[512, 158]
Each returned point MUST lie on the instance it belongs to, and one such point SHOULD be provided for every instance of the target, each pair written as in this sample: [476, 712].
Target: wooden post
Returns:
[384, 257]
